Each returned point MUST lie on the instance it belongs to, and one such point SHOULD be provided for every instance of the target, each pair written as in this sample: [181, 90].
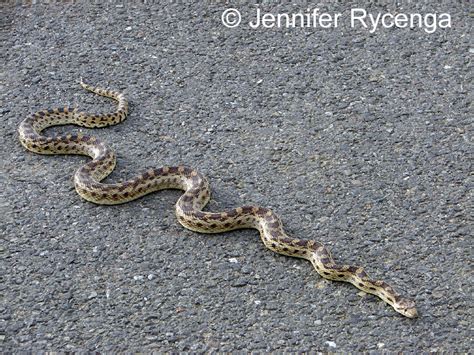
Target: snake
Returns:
[190, 205]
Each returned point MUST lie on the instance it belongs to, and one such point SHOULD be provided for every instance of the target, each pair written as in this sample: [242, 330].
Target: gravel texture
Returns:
[360, 140]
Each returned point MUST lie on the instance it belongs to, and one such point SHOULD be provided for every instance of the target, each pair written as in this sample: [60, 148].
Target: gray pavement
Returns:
[360, 140]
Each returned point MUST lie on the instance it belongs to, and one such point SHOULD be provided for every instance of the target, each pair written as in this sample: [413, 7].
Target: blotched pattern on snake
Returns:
[189, 208]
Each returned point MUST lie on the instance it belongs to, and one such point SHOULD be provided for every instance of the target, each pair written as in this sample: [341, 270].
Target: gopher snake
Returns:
[189, 206]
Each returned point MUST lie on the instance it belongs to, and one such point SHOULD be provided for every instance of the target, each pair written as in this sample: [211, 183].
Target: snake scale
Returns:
[189, 208]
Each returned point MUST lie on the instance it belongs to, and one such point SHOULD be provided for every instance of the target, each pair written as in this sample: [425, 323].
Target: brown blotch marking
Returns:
[269, 219]
[353, 269]
[390, 299]
[275, 234]
[198, 224]
[274, 225]
[216, 216]
[186, 207]
[186, 198]
[125, 194]
[247, 209]
[302, 243]
[314, 245]
[200, 215]
[326, 273]
[322, 252]
[127, 183]
[324, 260]
[186, 170]
[372, 288]
[261, 211]
[227, 225]
[232, 213]
[213, 225]
[115, 196]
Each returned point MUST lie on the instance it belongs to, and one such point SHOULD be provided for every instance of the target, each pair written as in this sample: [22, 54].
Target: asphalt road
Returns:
[360, 140]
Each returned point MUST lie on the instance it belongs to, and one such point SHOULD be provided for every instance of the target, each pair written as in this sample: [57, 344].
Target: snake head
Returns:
[406, 307]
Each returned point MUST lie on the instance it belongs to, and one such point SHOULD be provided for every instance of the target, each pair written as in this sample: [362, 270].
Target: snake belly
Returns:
[189, 208]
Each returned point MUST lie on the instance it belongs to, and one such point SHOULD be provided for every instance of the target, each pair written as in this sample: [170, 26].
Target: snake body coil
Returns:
[189, 206]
